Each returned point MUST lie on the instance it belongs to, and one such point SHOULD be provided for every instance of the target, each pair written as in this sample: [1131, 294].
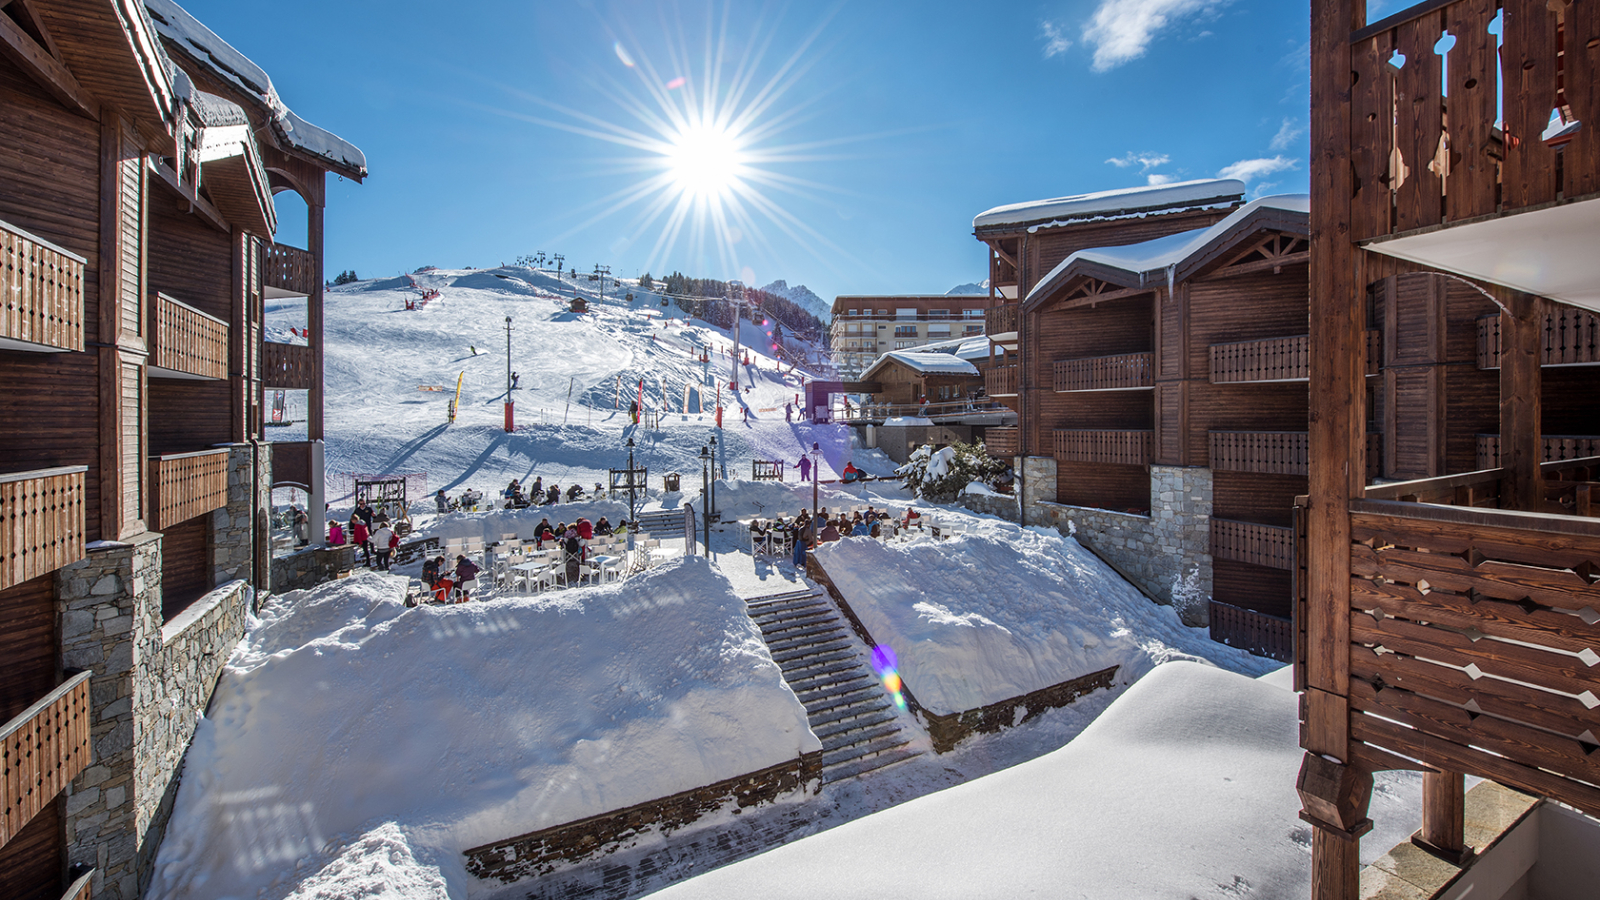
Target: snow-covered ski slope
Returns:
[577, 373]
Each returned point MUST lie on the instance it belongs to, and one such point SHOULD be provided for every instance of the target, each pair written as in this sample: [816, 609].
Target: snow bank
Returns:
[1115, 202]
[343, 711]
[1003, 611]
[1183, 788]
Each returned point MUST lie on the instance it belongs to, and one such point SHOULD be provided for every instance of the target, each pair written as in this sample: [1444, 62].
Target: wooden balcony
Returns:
[187, 485]
[1260, 452]
[1003, 443]
[1001, 381]
[1571, 338]
[1557, 448]
[1000, 323]
[1128, 448]
[291, 463]
[1252, 631]
[41, 522]
[1374, 350]
[1270, 359]
[82, 888]
[1248, 542]
[287, 367]
[1123, 372]
[41, 751]
[289, 270]
[185, 342]
[41, 294]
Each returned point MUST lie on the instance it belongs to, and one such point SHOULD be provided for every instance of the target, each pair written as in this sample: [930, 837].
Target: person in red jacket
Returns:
[585, 528]
[360, 537]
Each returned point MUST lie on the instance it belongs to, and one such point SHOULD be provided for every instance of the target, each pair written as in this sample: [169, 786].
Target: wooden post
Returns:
[314, 210]
[1443, 817]
[1521, 333]
[1337, 441]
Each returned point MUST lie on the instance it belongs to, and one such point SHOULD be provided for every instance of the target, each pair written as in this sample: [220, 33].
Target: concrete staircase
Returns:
[825, 665]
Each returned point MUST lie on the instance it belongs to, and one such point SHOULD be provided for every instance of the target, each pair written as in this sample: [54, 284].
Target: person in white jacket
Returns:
[384, 541]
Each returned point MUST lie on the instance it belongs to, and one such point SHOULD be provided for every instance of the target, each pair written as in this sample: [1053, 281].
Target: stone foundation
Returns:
[999, 505]
[232, 530]
[541, 852]
[311, 567]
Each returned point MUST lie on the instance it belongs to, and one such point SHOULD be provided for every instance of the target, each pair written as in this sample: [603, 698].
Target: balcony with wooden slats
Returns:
[1270, 359]
[41, 294]
[187, 485]
[1252, 631]
[1001, 381]
[82, 888]
[1260, 452]
[289, 271]
[1118, 447]
[1000, 323]
[1555, 447]
[1122, 372]
[41, 751]
[41, 522]
[1003, 443]
[1571, 338]
[185, 342]
[1249, 542]
[287, 367]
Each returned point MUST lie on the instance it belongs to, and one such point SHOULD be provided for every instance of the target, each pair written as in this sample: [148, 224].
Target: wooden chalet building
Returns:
[907, 377]
[139, 157]
[1447, 624]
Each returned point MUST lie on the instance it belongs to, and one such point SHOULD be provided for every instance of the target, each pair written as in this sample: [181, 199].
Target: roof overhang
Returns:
[112, 49]
[235, 179]
[1552, 251]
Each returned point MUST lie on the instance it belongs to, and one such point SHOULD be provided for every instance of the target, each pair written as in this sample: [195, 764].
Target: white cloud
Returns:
[1286, 136]
[1158, 179]
[1248, 170]
[1121, 30]
[1055, 43]
[1145, 161]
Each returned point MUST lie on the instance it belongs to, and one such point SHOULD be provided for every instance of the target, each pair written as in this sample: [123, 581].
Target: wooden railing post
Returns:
[1443, 816]
[1521, 350]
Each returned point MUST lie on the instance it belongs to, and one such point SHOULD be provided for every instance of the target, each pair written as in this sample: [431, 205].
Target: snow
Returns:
[343, 712]
[801, 296]
[1003, 611]
[1181, 195]
[970, 289]
[1183, 788]
[175, 24]
[926, 363]
[1164, 254]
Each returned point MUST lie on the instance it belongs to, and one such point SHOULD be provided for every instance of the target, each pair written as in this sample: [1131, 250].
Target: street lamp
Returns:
[705, 494]
[510, 416]
[723, 465]
[816, 478]
[631, 514]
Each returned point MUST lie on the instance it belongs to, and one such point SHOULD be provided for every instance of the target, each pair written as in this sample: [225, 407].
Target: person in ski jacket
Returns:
[572, 551]
[430, 571]
[359, 535]
[574, 492]
[302, 527]
[513, 494]
[466, 573]
[537, 491]
[442, 586]
[805, 468]
[585, 528]
[603, 527]
[788, 412]
[554, 494]
[364, 513]
[441, 501]
[384, 541]
[851, 473]
[335, 535]
[544, 532]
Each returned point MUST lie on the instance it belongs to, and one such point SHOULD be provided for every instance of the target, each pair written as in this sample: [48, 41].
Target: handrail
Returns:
[43, 473]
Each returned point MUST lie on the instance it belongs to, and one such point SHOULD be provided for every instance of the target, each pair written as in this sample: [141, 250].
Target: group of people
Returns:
[369, 531]
[469, 501]
[539, 495]
[446, 584]
[850, 475]
[861, 523]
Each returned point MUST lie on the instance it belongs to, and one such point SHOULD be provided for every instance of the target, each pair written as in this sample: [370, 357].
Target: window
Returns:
[943, 330]
[938, 313]
[905, 331]
[855, 312]
[972, 313]
[883, 313]
[901, 345]
[974, 329]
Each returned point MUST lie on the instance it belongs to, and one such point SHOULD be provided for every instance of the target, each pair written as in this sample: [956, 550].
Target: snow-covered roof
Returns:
[1166, 254]
[184, 31]
[1122, 202]
[974, 348]
[926, 363]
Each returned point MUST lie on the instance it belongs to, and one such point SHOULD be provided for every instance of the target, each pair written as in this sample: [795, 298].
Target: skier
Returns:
[788, 412]
[515, 377]
[441, 501]
[851, 473]
[805, 468]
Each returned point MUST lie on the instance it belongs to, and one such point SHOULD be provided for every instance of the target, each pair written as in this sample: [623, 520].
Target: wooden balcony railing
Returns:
[1001, 321]
[1571, 338]
[877, 412]
[1261, 452]
[1570, 484]
[1128, 448]
[1003, 443]
[186, 340]
[1557, 448]
[1252, 631]
[41, 751]
[1248, 542]
[290, 269]
[1404, 183]
[82, 888]
[1001, 381]
[1472, 638]
[1123, 372]
[1374, 350]
[188, 485]
[41, 291]
[1374, 455]
[1271, 359]
[41, 522]
[287, 367]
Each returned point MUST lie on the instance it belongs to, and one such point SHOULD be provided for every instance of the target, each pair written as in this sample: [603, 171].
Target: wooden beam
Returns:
[1521, 332]
[45, 69]
[1443, 814]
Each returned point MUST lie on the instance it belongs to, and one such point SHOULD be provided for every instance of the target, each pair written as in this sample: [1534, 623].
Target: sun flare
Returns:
[705, 161]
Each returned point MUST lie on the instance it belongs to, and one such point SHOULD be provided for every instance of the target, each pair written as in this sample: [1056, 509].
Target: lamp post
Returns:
[510, 415]
[631, 514]
[705, 495]
[816, 478]
[723, 465]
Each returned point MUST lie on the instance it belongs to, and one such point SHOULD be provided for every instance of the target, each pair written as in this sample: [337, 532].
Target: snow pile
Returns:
[1004, 611]
[1183, 788]
[343, 711]
[1124, 201]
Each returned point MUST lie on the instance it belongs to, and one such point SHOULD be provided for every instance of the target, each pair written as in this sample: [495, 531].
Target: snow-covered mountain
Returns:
[801, 296]
[968, 289]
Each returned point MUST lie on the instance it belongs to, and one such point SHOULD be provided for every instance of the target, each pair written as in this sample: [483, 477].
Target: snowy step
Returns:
[867, 693]
[780, 625]
[848, 713]
[890, 739]
[864, 765]
[863, 735]
[756, 604]
[845, 726]
[778, 617]
[803, 668]
[812, 650]
[802, 629]
[815, 635]
[835, 672]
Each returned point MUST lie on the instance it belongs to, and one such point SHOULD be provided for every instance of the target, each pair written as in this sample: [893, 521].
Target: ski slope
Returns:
[578, 374]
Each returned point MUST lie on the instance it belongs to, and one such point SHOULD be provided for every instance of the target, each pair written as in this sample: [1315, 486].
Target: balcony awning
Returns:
[1550, 252]
[231, 169]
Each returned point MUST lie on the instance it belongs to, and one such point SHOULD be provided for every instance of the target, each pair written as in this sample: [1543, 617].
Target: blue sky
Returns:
[872, 131]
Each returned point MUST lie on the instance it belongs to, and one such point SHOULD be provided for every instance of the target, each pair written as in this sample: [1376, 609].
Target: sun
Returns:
[706, 161]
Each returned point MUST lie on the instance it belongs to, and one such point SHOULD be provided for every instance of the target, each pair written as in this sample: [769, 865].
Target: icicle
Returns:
[1172, 274]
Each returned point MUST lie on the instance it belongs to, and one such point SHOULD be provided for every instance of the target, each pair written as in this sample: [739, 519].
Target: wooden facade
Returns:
[136, 212]
[1443, 622]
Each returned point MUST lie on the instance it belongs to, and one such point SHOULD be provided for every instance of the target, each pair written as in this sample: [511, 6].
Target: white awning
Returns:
[1553, 252]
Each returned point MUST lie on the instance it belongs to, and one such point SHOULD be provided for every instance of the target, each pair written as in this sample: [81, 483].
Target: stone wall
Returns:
[1003, 506]
[311, 567]
[1153, 552]
[232, 534]
[1036, 484]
